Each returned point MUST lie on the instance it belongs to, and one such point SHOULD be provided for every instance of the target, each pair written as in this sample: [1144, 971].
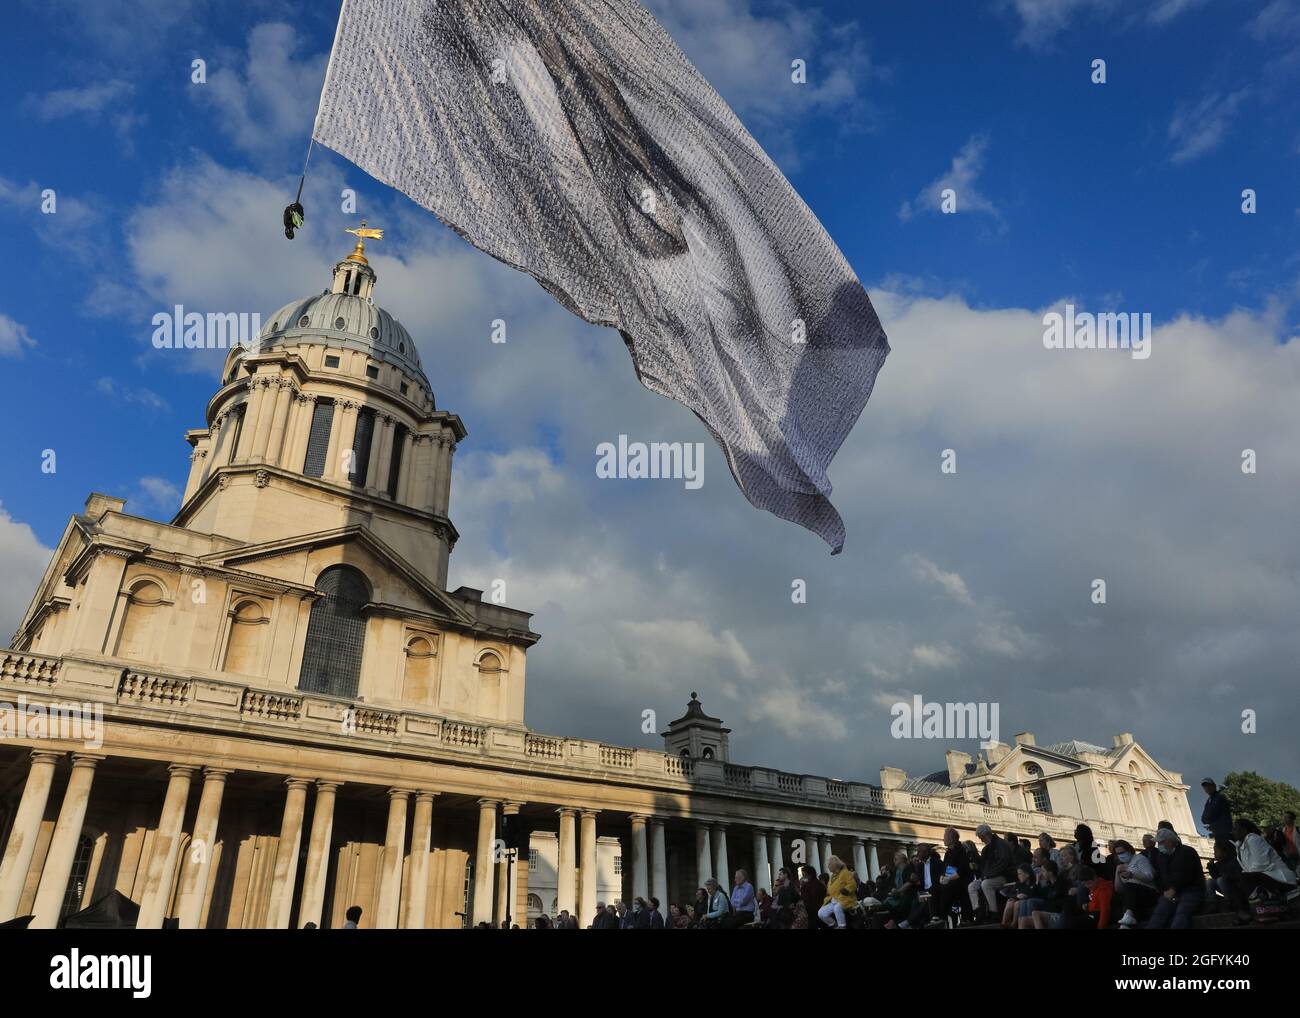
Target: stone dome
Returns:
[347, 322]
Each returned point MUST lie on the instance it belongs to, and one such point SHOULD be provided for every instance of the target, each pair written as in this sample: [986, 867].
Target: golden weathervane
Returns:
[363, 234]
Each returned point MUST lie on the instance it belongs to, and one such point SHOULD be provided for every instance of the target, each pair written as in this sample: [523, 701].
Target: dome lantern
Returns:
[353, 275]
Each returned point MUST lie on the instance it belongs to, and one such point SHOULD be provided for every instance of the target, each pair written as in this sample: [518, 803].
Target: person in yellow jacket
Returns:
[841, 894]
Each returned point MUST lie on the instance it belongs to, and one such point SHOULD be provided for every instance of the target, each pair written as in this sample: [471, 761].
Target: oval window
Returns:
[374, 332]
[339, 323]
[303, 322]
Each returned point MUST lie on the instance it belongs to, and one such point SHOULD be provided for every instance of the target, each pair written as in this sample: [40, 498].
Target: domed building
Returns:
[271, 708]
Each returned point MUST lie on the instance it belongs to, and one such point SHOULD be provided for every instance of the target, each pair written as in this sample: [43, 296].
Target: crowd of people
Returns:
[1007, 881]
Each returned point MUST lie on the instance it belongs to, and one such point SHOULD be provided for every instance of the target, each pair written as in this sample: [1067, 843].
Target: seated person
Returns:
[1022, 890]
[1135, 884]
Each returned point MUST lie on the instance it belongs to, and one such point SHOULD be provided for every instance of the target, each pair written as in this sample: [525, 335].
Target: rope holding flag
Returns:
[294, 214]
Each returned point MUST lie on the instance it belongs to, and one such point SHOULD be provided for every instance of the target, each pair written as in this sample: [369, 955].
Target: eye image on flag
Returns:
[572, 140]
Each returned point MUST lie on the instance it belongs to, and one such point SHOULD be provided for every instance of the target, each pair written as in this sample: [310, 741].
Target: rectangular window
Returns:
[372, 371]
[1041, 802]
[404, 387]
[331, 360]
[532, 858]
[618, 865]
[361, 442]
[318, 438]
[395, 464]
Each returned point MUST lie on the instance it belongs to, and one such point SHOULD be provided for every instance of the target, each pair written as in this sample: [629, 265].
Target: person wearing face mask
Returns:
[1135, 884]
[1180, 879]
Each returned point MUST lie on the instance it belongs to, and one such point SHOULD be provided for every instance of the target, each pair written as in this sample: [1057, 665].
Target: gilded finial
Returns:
[362, 234]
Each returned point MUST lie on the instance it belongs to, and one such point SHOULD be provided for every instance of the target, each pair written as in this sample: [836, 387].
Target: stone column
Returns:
[279, 422]
[24, 831]
[721, 872]
[385, 426]
[197, 864]
[487, 832]
[295, 438]
[826, 850]
[659, 865]
[860, 859]
[762, 871]
[220, 436]
[166, 849]
[347, 429]
[285, 875]
[703, 856]
[775, 856]
[567, 870]
[426, 498]
[417, 895]
[504, 909]
[390, 877]
[373, 466]
[316, 873]
[265, 417]
[873, 859]
[406, 470]
[640, 871]
[257, 399]
[63, 845]
[812, 852]
[198, 459]
[590, 872]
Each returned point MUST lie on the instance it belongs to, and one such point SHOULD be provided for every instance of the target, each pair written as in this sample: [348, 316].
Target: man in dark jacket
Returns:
[1180, 879]
[996, 868]
[1217, 815]
[603, 920]
[953, 881]
[656, 918]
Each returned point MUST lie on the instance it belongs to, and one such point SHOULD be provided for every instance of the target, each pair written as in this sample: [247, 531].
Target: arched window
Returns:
[420, 683]
[144, 605]
[491, 682]
[244, 647]
[336, 634]
[76, 890]
[534, 909]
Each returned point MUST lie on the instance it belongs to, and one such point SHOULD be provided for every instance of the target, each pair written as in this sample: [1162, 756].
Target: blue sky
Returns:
[1122, 196]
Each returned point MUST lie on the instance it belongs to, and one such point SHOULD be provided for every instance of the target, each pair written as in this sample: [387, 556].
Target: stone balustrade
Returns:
[132, 690]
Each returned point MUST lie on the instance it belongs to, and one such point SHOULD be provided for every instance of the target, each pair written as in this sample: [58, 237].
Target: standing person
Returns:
[352, 918]
[1217, 814]
[995, 869]
[1048, 844]
[1135, 883]
[718, 905]
[841, 894]
[1180, 880]
[602, 919]
[784, 898]
[812, 892]
[953, 881]
[640, 914]
[654, 918]
[743, 902]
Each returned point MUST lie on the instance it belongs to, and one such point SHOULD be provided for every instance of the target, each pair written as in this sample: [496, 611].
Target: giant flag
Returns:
[573, 140]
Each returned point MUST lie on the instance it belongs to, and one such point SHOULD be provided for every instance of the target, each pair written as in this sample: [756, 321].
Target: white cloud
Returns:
[128, 395]
[933, 657]
[1043, 20]
[1200, 127]
[14, 337]
[268, 107]
[951, 583]
[89, 100]
[23, 560]
[962, 177]
[158, 493]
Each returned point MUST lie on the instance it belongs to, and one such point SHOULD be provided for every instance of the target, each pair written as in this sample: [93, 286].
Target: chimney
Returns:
[1123, 739]
[957, 762]
[97, 505]
[996, 752]
[892, 777]
[1025, 739]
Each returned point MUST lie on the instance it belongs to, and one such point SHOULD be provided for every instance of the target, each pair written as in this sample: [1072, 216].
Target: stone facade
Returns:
[296, 716]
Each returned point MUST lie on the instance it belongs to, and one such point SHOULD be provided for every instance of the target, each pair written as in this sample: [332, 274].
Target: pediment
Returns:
[300, 559]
